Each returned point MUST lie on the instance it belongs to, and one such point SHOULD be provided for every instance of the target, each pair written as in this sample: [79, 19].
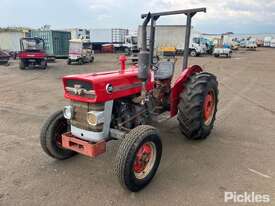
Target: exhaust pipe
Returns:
[144, 54]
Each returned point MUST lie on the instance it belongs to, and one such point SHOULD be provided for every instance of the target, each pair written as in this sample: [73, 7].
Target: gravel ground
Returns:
[237, 157]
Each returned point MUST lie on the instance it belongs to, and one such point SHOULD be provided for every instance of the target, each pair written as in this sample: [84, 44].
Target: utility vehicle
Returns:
[32, 53]
[80, 51]
[119, 105]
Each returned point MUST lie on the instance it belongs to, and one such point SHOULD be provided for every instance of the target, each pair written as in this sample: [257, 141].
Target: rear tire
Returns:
[69, 62]
[22, 65]
[198, 106]
[50, 137]
[138, 157]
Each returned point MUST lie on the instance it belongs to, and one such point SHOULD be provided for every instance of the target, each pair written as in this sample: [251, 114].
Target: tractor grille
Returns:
[80, 115]
[80, 88]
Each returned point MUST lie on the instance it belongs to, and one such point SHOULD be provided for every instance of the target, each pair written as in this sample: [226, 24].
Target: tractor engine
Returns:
[127, 114]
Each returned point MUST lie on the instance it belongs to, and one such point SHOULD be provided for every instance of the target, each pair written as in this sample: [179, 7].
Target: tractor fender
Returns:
[178, 87]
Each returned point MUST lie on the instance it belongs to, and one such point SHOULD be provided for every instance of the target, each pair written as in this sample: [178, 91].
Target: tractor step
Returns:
[83, 147]
[162, 117]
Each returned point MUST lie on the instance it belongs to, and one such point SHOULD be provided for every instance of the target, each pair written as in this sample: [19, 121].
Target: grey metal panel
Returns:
[101, 35]
[10, 40]
[168, 36]
[108, 109]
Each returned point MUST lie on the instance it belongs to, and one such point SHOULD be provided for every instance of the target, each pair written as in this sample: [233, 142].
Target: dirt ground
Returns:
[237, 157]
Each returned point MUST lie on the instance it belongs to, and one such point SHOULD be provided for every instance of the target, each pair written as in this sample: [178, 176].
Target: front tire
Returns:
[193, 53]
[50, 137]
[80, 61]
[92, 60]
[198, 106]
[138, 157]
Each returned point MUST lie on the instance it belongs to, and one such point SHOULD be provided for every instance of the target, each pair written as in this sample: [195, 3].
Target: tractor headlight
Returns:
[95, 118]
[68, 112]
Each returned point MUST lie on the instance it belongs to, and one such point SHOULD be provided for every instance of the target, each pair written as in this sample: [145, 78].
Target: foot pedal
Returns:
[83, 147]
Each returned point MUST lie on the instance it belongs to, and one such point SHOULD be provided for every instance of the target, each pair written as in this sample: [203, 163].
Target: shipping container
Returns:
[108, 36]
[56, 42]
[168, 36]
[10, 39]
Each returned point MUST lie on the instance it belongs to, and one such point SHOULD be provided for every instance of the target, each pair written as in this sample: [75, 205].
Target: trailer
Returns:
[172, 36]
[115, 36]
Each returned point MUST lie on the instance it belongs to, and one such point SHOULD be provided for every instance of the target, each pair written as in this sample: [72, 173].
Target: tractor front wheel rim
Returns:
[209, 107]
[145, 160]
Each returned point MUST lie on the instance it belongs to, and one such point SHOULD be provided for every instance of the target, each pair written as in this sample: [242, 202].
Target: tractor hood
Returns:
[103, 86]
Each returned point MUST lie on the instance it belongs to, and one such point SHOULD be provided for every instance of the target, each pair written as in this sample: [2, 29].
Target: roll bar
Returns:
[154, 17]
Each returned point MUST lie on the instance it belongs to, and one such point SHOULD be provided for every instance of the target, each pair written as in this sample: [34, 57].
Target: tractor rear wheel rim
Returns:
[145, 160]
[209, 107]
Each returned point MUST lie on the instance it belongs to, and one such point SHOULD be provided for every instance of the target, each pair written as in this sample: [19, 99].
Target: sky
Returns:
[238, 16]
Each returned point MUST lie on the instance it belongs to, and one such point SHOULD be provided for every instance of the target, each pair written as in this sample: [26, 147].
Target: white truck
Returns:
[131, 47]
[267, 41]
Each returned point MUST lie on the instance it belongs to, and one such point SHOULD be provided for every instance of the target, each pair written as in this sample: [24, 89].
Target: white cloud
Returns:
[237, 11]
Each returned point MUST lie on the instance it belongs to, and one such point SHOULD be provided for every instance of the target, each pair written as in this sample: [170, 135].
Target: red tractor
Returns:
[119, 105]
[32, 53]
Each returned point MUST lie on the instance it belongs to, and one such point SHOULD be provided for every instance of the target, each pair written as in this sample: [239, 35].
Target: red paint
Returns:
[122, 60]
[83, 147]
[100, 80]
[143, 156]
[126, 78]
[179, 86]
[32, 55]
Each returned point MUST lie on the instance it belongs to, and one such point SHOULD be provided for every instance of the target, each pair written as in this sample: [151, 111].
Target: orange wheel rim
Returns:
[209, 107]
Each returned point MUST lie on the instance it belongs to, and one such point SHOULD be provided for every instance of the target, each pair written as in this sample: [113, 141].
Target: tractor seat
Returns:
[165, 70]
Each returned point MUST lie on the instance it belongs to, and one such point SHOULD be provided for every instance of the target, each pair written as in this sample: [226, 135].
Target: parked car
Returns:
[4, 57]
